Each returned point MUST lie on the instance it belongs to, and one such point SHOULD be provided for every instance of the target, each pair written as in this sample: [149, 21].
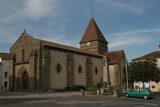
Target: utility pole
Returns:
[1, 82]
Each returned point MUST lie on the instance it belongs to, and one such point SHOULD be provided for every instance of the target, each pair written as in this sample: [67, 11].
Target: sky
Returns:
[129, 25]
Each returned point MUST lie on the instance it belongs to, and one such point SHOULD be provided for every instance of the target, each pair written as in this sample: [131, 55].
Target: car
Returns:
[138, 92]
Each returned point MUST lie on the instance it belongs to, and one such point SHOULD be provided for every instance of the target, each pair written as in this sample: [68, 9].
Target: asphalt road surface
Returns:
[74, 100]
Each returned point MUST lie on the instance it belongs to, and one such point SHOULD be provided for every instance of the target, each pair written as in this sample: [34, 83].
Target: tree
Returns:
[143, 70]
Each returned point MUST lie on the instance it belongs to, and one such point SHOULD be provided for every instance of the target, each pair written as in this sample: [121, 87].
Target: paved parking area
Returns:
[36, 94]
[71, 99]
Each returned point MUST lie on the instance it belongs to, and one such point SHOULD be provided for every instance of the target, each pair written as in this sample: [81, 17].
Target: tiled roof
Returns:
[114, 56]
[5, 56]
[60, 46]
[70, 48]
[155, 54]
[92, 33]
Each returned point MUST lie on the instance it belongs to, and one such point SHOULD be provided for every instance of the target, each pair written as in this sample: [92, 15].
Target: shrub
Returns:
[99, 85]
[78, 88]
[75, 88]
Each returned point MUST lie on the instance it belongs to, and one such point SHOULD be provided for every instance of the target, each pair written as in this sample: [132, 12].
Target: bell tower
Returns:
[93, 39]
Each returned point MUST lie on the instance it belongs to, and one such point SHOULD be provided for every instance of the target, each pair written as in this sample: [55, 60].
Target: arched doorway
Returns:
[25, 80]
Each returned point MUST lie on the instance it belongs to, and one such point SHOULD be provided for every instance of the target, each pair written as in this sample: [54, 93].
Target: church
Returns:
[45, 65]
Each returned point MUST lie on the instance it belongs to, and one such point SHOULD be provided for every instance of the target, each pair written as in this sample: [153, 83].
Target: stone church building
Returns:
[44, 65]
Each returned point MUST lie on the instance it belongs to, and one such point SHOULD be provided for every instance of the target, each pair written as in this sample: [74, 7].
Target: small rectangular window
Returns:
[5, 84]
[6, 74]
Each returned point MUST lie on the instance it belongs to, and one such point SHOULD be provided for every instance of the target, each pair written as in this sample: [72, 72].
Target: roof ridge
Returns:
[62, 46]
[115, 51]
[5, 56]
[154, 54]
[4, 53]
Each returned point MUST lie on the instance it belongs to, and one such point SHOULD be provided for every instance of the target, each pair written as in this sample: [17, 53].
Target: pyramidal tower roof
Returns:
[92, 33]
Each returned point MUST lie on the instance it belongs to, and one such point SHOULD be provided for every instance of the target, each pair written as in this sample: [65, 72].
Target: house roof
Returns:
[92, 33]
[5, 56]
[155, 54]
[114, 56]
[70, 48]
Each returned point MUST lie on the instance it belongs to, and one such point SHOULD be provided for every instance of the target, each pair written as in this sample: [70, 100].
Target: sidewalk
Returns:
[156, 95]
[36, 94]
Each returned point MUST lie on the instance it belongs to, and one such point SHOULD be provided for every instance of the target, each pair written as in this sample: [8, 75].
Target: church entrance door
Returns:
[25, 80]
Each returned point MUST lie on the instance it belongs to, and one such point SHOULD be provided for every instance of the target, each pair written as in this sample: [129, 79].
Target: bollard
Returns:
[115, 93]
[98, 93]
[83, 93]
[102, 90]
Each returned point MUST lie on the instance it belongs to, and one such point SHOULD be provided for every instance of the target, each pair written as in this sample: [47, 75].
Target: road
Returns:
[73, 100]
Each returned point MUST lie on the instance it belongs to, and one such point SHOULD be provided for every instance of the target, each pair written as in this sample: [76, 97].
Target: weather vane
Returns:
[92, 11]
[24, 31]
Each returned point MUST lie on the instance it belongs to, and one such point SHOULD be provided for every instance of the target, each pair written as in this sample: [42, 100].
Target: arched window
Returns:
[79, 69]
[58, 68]
[96, 70]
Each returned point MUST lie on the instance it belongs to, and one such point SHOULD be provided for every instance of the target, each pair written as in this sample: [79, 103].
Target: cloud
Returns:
[127, 7]
[123, 6]
[7, 34]
[32, 9]
[61, 39]
[155, 30]
[129, 40]
[137, 37]
[39, 8]
[20, 15]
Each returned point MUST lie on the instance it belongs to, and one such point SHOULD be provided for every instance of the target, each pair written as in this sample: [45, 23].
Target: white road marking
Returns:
[39, 101]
